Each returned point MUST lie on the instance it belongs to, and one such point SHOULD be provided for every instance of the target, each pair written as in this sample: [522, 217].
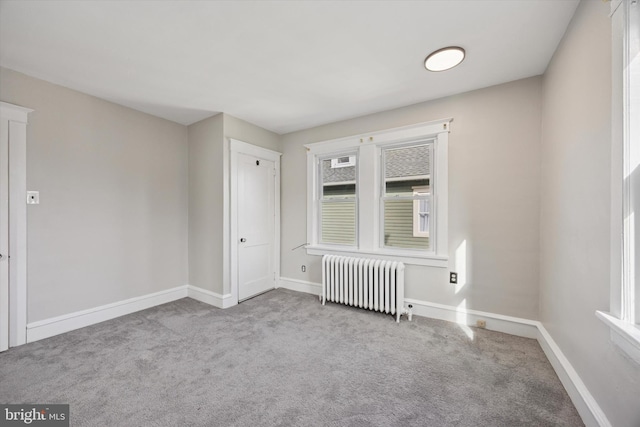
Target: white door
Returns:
[256, 225]
[4, 235]
[13, 225]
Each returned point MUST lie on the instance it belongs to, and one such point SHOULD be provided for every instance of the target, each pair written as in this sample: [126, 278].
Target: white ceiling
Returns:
[282, 65]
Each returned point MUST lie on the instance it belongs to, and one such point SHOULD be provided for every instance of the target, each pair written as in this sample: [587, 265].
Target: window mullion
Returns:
[412, 206]
[367, 202]
[337, 199]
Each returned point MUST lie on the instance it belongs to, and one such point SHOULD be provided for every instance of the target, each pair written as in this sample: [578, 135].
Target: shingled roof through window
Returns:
[408, 161]
[400, 162]
[344, 174]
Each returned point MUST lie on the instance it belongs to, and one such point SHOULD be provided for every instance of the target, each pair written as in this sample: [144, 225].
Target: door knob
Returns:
[242, 240]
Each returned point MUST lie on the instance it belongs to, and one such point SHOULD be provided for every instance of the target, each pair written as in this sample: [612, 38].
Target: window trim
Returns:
[431, 143]
[321, 200]
[368, 218]
[624, 329]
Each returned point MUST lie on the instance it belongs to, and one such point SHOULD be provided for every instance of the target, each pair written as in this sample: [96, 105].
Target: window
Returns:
[421, 207]
[381, 195]
[624, 315]
[406, 168]
[631, 169]
[338, 203]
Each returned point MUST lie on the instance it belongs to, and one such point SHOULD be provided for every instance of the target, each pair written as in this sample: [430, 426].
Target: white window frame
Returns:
[624, 315]
[353, 161]
[369, 169]
[383, 182]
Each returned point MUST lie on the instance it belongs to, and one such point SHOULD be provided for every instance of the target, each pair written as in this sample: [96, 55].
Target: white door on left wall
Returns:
[4, 235]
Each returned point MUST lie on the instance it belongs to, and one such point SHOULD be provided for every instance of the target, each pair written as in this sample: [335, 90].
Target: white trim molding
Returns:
[369, 232]
[624, 334]
[462, 316]
[407, 257]
[80, 319]
[418, 130]
[586, 405]
[623, 316]
[15, 113]
[211, 298]
[16, 119]
[300, 286]
[495, 322]
[237, 147]
[69, 322]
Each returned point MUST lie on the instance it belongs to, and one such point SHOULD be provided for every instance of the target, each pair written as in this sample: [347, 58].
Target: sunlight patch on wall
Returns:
[629, 282]
[461, 265]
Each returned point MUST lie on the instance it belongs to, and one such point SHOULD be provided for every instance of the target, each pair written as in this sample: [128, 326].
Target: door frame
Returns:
[16, 315]
[237, 147]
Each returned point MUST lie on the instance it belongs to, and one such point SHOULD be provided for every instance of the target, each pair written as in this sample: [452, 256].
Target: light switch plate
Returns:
[33, 197]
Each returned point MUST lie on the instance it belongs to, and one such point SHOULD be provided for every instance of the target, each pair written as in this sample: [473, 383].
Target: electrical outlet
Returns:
[453, 277]
[304, 268]
[480, 323]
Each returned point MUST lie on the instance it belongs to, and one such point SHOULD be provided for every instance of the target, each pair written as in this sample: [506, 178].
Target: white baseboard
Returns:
[209, 297]
[591, 413]
[69, 322]
[300, 286]
[587, 407]
[72, 321]
[495, 322]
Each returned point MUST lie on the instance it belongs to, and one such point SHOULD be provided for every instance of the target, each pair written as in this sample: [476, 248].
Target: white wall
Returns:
[247, 132]
[493, 196]
[205, 203]
[575, 212]
[209, 195]
[132, 204]
[112, 218]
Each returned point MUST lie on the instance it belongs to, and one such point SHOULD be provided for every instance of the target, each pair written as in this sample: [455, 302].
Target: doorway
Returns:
[255, 219]
[13, 225]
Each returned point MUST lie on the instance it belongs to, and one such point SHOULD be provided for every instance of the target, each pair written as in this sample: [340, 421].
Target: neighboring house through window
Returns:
[382, 194]
[406, 168]
[421, 211]
[338, 200]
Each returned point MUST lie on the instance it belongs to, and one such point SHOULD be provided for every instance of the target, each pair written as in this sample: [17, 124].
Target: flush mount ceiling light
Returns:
[444, 59]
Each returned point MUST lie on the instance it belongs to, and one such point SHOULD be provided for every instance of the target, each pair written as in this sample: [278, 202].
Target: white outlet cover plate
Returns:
[33, 197]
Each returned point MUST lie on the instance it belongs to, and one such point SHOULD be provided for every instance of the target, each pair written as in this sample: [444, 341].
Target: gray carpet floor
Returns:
[283, 359]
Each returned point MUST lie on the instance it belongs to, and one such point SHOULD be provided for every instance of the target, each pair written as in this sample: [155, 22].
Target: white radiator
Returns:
[371, 284]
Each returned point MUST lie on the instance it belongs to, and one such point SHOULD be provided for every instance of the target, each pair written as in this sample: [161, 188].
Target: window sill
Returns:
[625, 335]
[405, 257]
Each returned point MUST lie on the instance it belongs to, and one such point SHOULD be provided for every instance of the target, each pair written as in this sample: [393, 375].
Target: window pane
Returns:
[338, 180]
[338, 222]
[407, 196]
[406, 168]
[330, 191]
[399, 226]
[338, 200]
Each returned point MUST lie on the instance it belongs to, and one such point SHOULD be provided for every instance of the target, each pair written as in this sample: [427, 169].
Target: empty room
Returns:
[320, 213]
